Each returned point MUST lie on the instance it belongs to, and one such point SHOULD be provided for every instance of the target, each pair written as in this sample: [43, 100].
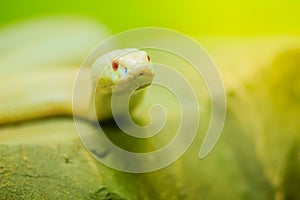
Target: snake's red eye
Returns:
[115, 65]
[148, 57]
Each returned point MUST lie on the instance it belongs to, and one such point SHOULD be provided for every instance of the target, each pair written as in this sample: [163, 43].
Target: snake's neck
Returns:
[100, 107]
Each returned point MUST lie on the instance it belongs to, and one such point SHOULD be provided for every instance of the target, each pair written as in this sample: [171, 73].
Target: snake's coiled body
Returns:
[50, 92]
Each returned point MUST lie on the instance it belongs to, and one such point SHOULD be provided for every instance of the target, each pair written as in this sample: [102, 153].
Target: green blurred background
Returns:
[216, 17]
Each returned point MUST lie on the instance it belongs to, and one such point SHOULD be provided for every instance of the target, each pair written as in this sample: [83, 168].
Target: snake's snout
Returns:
[138, 72]
[128, 68]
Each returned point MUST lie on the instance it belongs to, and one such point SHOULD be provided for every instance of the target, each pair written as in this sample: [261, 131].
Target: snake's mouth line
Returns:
[136, 83]
[135, 73]
[135, 79]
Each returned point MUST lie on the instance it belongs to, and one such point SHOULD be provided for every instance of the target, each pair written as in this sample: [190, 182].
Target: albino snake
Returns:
[49, 93]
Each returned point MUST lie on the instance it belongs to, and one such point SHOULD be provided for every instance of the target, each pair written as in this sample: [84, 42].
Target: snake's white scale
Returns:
[49, 93]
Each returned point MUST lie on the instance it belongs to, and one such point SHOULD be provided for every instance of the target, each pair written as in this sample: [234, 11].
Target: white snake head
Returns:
[127, 68]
